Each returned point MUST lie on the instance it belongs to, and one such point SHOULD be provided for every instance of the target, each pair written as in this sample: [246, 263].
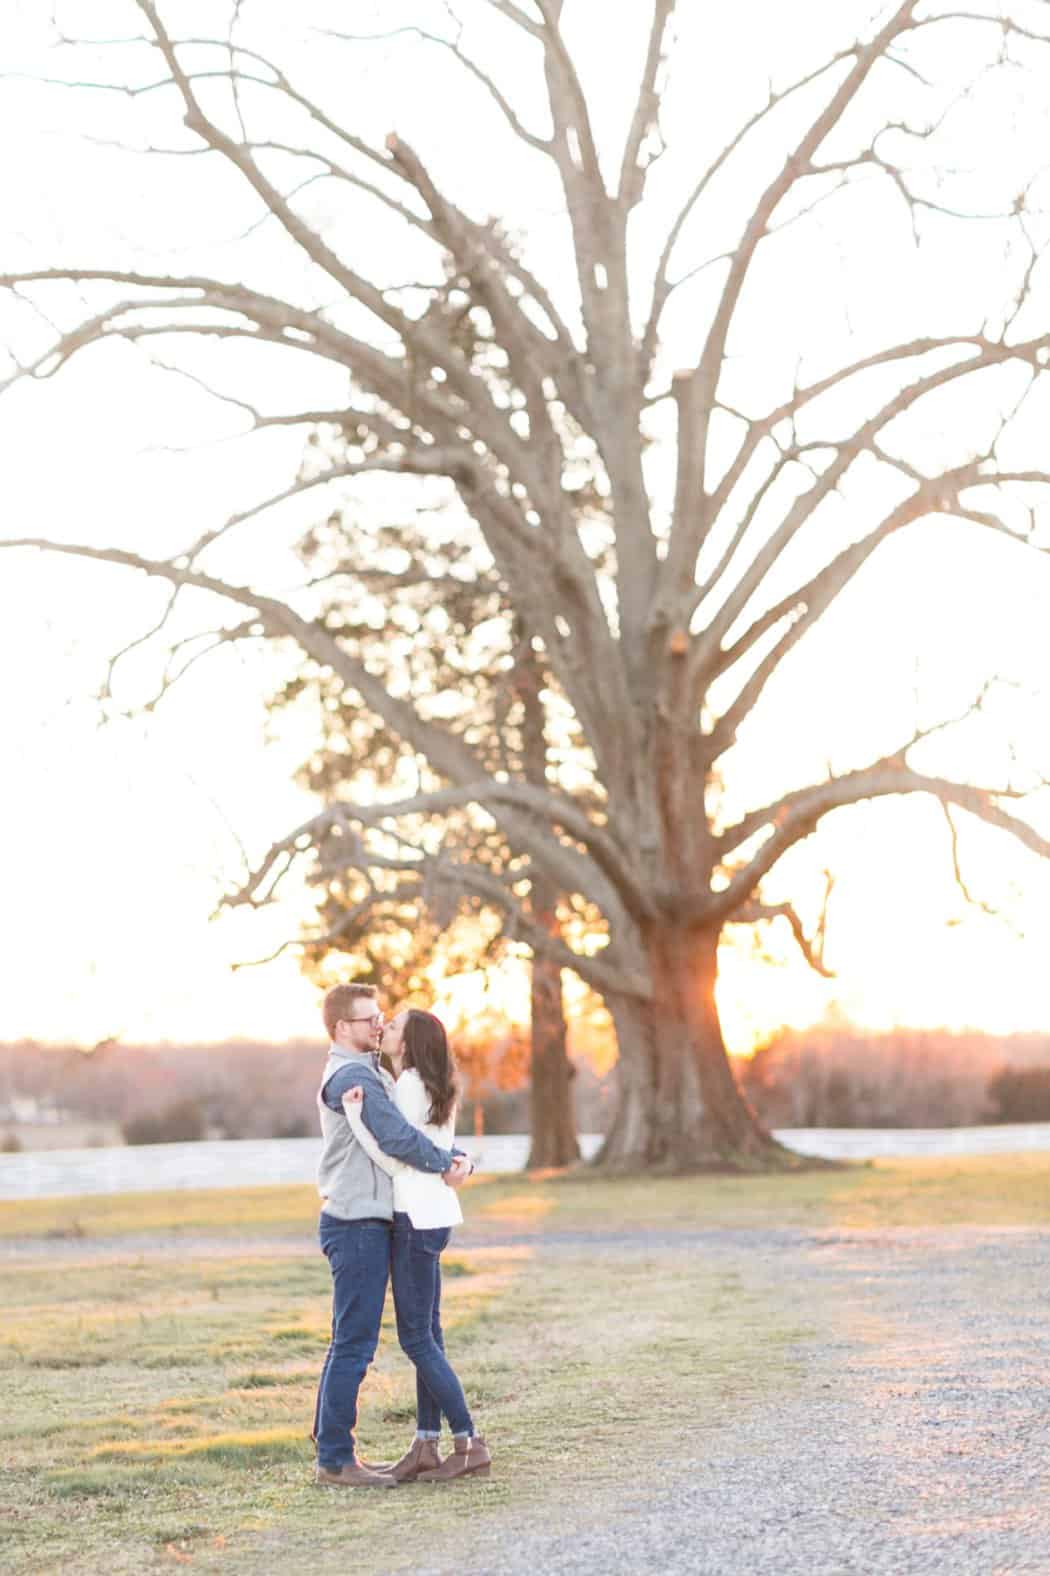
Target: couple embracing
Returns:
[388, 1177]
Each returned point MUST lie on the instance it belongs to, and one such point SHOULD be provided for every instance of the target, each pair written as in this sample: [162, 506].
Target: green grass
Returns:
[109, 1464]
[158, 1411]
[988, 1190]
[992, 1190]
[218, 1211]
[157, 1406]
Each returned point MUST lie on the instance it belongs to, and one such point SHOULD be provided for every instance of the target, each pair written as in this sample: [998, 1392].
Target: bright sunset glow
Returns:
[122, 840]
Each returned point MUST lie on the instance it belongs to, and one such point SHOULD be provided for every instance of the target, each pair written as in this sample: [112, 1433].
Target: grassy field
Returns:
[157, 1405]
[1012, 1189]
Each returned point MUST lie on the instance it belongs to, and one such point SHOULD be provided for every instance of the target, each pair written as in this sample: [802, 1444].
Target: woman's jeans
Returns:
[358, 1252]
[415, 1269]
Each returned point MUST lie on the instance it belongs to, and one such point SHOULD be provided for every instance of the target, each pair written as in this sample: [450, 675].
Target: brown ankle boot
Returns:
[354, 1475]
[421, 1456]
[470, 1458]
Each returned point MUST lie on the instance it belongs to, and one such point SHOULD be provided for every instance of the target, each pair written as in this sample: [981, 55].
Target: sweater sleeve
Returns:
[395, 1136]
[410, 1097]
[387, 1163]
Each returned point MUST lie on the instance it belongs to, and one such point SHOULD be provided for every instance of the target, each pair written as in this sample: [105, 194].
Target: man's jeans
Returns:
[416, 1273]
[358, 1254]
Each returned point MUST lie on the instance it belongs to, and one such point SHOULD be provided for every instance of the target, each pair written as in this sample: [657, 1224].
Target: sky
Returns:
[122, 837]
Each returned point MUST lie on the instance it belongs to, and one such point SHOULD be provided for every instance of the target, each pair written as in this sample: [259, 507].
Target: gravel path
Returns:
[913, 1436]
[915, 1440]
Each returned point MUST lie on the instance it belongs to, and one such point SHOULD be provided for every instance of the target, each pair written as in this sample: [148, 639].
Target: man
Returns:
[356, 1218]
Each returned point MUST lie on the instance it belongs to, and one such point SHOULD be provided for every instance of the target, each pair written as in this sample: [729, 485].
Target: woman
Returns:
[425, 1210]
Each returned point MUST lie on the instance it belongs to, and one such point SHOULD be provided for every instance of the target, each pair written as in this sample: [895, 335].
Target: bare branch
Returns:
[812, 950]
[414, 332]
[974, 902]
[742, 831]
[488, 794]
[351, 918]
[798, 814]
[499, 98]
[409, 462]
[340, 172]
[797, 162]
[106, 691]
[763, 427]
[696, 389]
[205, 643]
[515, 14]
[942, 491]
[804, 606]
[663, 286]
[644, 122]
[601, 970]
[448, 753]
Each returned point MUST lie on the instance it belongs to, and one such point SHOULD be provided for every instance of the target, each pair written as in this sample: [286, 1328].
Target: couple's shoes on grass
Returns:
[420, 1464]
[355, 1474]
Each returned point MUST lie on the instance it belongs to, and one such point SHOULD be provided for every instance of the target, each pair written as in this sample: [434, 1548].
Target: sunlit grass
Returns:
[527, 1208]
[1012, 1189]
[159, 1401]
[222, 1211]
[180, 1416]
[978, 1190]
[989, 1189]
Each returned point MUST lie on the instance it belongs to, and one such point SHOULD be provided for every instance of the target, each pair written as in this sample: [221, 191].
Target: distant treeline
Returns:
[822, 1077]
[239, 1090]
[842, 1077]
[171, 1093]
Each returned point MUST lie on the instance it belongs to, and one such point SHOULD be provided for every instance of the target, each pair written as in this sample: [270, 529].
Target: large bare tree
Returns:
[535, 389]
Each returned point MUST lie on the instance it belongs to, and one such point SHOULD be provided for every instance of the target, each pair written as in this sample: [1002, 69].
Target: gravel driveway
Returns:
[912, 1437]
[915, 1439]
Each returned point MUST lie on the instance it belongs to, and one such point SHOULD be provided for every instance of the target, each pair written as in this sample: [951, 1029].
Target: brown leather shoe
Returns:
[355, 1475]
[470, 1458]
[421, 1456]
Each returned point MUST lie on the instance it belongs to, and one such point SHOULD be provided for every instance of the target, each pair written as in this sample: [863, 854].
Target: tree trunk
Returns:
[552, 1120]
[680, 1108]
[552, 1116]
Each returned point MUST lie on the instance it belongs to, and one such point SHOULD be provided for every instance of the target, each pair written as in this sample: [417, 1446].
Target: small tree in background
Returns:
[400, 919]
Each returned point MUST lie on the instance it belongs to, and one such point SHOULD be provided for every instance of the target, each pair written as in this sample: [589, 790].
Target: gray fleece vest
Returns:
[351, 1186]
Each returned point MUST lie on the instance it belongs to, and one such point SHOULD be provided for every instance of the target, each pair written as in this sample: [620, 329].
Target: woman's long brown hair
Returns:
[426, 1048]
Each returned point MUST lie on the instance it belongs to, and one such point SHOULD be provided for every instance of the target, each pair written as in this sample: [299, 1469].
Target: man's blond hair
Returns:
[338, 1004]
